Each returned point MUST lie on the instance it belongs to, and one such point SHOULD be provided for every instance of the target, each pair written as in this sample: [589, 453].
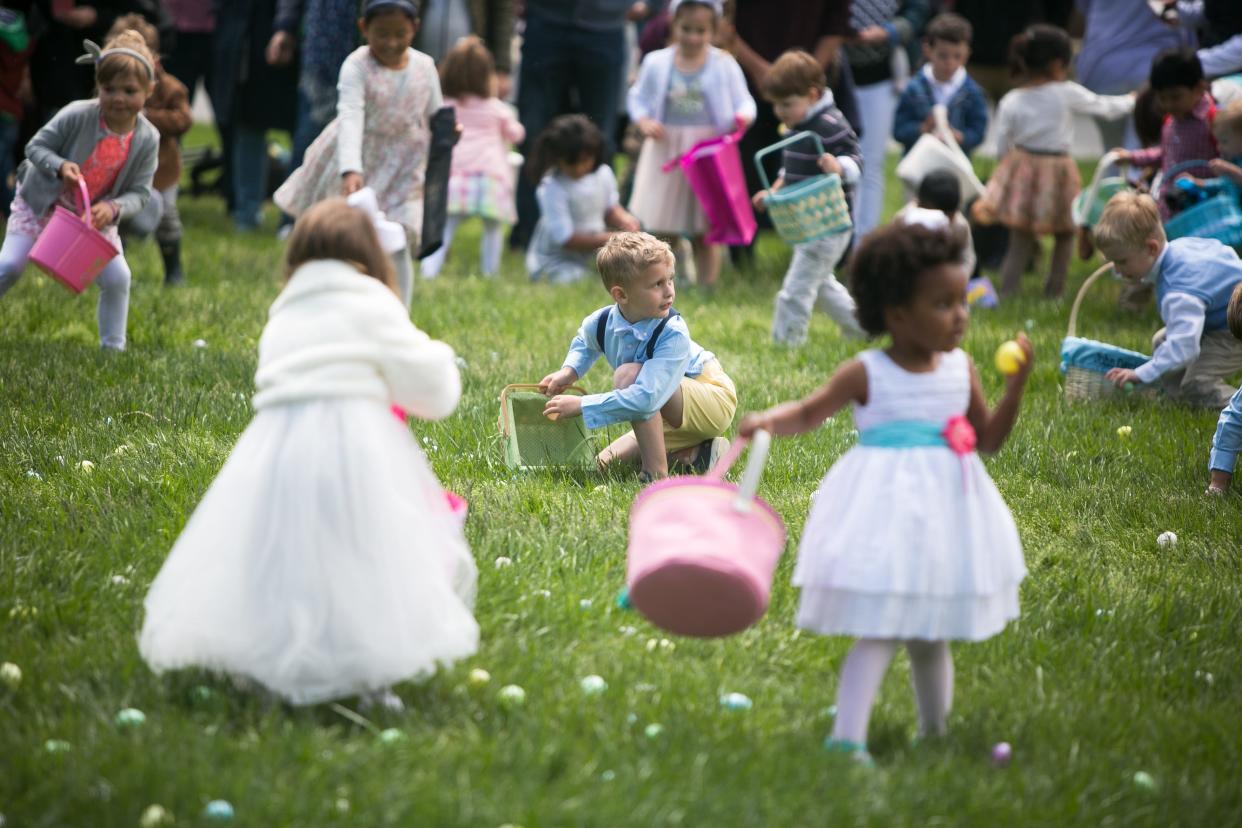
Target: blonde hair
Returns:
[626, 256]
[331, 229]
[1128, 221]
[1233, 313]
[150, 34]
[1229, 120]
[117, 66]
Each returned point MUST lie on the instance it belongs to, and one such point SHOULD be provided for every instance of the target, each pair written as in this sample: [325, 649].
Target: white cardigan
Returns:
[723, 84]
[334, 332]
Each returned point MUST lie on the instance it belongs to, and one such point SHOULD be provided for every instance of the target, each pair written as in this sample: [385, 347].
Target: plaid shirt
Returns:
[1182, 139]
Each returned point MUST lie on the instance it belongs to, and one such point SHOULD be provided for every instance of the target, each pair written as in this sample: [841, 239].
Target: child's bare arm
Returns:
[622, 219]
[586, 241]
[847, 385]
[993, 427]
[1224, 168]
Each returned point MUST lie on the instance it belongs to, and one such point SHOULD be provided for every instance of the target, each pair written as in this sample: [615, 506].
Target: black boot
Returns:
[171, 253]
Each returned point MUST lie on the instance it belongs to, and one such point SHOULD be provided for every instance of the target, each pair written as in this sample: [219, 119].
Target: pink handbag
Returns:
[714, 170]
[702, 550]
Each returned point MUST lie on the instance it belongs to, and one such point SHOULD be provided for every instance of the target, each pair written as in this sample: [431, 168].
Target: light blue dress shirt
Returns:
[1228, 440]
[676, 355]
[1184, 319]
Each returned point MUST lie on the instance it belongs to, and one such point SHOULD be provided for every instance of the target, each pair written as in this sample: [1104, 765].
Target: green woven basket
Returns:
[810, 209]
[532, 440]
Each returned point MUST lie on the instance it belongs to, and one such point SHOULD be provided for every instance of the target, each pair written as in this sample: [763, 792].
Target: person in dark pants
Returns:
[189, 58]
[573, 56]
[762, 30]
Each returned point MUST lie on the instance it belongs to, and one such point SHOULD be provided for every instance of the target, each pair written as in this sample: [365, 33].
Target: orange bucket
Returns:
[69, 249]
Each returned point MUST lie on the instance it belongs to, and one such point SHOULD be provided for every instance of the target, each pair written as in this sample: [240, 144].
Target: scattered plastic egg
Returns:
[478, 677]
[736, 701]
[1166, 539]
[155, 816]
[218, 810]
[130, 717]
[512, 695]
[1002, 752]
[503, 562]
[593, 685]
[11, 675]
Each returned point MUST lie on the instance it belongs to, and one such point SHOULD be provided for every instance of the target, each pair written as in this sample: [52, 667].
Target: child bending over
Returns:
[673, 392]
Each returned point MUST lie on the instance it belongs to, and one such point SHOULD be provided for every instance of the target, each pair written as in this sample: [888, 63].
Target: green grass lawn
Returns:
[1126, 657]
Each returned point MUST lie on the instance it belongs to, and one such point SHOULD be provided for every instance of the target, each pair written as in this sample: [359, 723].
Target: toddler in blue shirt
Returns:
[1194, 353]
[672, 391]
[1228, 439]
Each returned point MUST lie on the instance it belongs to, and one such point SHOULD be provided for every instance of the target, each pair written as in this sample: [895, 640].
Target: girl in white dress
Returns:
[324, 560]
[908, 541]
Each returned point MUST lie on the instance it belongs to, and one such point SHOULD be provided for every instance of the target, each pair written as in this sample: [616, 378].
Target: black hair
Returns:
[1148, 119]
[1176, 67]
[940, 190]
[887, 266]
[410, 8]
[1032, 52]
[567, 139]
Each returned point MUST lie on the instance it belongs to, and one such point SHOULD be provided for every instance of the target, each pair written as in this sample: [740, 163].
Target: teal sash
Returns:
[904, 434]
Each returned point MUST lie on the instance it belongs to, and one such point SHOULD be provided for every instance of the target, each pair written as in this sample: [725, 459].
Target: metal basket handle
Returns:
[759, 443]
[781, 144]
[1082, 294]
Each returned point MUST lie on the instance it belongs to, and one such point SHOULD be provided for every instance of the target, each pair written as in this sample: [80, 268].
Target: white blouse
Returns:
[1038, 118]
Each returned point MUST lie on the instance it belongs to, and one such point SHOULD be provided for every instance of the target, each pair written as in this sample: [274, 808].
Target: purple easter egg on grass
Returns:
[1002, 752]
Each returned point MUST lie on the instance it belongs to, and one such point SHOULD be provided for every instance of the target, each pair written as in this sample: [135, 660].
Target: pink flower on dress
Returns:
[959, 434]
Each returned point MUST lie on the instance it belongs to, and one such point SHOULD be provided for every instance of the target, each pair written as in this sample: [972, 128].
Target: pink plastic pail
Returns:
[702, 551]
[714, 170]
[69, 249]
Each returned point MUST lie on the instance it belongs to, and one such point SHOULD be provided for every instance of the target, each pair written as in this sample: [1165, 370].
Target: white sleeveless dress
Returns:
[909, 542]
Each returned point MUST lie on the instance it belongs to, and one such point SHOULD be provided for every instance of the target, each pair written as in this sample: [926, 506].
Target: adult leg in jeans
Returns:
[113, 310]
[877, 102]
[249, 174]
[543, 84]
[598, 63]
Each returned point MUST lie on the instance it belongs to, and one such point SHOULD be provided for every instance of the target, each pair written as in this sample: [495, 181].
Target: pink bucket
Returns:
[702, 551]
[714, 170]
[69, 249]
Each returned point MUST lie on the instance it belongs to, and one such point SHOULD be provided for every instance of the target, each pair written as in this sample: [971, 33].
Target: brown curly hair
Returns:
[887, 266]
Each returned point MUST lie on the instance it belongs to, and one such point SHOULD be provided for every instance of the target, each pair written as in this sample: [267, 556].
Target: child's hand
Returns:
[760, 200]
[1122, 156]
[829, 164]
[651, 128]
[557, 381]
[741, 121]
[1018, 378]
[70, 173]
[1221, 167]
[626, 221]
[753, 422]
[564, 405]
[872, 36]
[351, 182]
[1120, 376]
[102, 214]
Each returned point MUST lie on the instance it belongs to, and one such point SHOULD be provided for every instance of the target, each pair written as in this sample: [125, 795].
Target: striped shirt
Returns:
[800, 160]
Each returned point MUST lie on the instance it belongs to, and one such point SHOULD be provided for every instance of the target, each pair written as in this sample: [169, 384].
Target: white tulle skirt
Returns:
[322, 562]
[908, 543]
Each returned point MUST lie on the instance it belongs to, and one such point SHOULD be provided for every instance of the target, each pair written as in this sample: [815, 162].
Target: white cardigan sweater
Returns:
[723, 84]
[334, 332]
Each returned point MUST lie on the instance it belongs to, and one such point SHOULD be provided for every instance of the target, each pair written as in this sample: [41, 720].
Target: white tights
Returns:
[489, 250]
[113, 282]
[931, 673]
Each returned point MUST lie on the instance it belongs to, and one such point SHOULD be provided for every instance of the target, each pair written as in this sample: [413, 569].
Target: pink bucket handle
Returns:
[760, 443]
[728, 138]
[85, 196]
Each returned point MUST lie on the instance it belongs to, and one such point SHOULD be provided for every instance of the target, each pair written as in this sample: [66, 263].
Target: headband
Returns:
[717, 6]
[96, 55]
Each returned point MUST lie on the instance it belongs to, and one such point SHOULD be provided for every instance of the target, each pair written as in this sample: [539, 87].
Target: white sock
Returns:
[864, 669]
[931, 673]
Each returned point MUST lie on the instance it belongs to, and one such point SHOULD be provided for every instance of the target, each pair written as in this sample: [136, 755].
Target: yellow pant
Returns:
[709, 402]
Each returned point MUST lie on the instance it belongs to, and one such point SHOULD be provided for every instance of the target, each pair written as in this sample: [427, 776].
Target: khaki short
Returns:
[709, 402]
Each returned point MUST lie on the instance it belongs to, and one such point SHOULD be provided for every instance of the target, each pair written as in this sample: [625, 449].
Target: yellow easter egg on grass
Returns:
[1010, 357]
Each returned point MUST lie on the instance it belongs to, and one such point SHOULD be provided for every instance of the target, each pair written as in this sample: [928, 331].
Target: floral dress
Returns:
[380, 131]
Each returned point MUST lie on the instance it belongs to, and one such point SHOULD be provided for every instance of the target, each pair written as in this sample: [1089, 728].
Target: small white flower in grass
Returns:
[653, 730]
[121, 450]
[652, 644]
[478, 677]
[1144, 780]
[503, 562]
[593, 685]
[584, 604]
[119, 580]
[155, 816]
[627, 630]
[667, 645]
[200, 343]
[1124, 432]
[608, 776]
[511, 695]
[130, 717]
[218, 810]
[86, 466]
[390, 736]
[736, 701]
[11, 675]
[57, 746]
[33, 475]
[1166, 539]
[107, 421]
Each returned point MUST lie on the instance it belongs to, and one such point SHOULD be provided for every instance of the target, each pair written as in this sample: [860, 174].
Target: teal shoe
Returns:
[856, 751]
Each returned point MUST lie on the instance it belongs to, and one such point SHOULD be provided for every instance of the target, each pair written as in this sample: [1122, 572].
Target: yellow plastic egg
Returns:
[1010, 357]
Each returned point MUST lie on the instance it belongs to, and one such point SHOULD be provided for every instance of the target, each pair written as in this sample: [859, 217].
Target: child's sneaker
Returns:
[856, 751]
[709, 451]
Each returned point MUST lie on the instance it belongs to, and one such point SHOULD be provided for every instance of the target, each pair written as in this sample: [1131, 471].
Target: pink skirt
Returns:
[1032, 193]
[663, 201]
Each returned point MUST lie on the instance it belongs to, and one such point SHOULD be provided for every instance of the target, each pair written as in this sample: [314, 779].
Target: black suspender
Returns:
[601, 325]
